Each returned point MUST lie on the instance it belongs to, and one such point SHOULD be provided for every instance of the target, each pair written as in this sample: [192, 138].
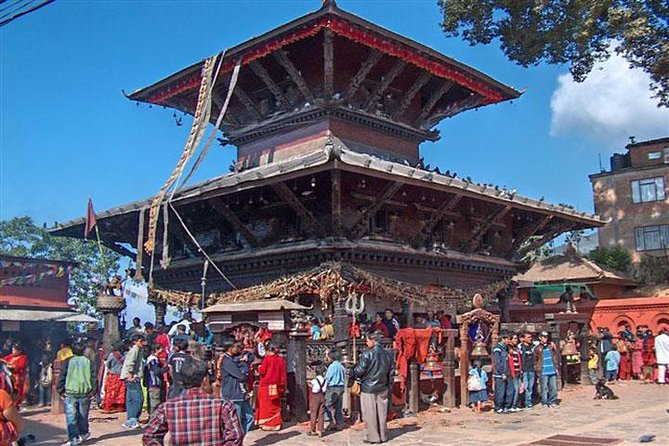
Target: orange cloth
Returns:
[423, 337]
[7, 430]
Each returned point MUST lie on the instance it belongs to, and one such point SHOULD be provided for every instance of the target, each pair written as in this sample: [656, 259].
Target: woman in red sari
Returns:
[114, 400]
[272, 385]
[17, 363]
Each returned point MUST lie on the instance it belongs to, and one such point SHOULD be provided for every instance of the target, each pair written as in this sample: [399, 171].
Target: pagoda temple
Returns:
[327, 114]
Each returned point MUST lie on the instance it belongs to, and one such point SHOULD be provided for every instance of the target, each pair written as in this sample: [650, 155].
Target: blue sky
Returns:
[67, 132]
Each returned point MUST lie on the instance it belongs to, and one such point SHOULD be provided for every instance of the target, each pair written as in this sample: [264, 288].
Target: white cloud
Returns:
[613, 103]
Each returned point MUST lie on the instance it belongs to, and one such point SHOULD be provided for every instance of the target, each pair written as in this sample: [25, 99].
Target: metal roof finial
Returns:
[329, 4]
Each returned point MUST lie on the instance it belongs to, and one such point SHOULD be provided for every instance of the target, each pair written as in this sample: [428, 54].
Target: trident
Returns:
[354, 307]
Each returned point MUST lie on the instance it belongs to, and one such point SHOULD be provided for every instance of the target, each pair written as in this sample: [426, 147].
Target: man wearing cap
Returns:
[132, 374]
[375, 371]
[504, 388]
[547, 366]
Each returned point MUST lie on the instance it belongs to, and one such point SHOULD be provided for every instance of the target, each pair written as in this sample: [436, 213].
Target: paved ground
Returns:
[641, 409]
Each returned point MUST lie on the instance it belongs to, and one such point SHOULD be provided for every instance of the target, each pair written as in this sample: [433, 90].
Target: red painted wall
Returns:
[49, 293]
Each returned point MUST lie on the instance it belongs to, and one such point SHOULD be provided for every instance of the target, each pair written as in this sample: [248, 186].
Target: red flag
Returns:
[91, 221]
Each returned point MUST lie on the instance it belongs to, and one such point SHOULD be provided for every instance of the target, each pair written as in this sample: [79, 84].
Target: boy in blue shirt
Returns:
[612, 364]
[335, 378]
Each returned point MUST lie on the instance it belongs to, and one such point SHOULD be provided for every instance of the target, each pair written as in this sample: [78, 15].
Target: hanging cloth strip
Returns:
[219, 120]
[140, 248]
[200, 122]
[166, 260]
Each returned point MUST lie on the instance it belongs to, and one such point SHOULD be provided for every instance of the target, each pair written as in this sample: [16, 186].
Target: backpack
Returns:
[46, 376]
[320, 384]
[474, 383]
[78, 381]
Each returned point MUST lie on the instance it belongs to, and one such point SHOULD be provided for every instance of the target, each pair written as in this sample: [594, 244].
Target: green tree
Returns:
[615, 257]
[574, 32]
[21, 237]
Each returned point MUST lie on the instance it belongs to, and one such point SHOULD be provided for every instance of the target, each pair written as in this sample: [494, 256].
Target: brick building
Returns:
[633, 196]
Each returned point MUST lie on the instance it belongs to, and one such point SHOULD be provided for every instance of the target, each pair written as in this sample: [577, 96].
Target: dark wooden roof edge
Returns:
[349, 160]
[328, 8]
[35, 260]
[587, 280]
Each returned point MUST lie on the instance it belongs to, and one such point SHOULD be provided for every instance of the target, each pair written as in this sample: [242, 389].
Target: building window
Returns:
[652, 237]
[649, 189]
[654, 155]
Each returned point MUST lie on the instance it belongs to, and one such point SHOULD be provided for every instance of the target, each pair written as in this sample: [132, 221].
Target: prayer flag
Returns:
[91, 221]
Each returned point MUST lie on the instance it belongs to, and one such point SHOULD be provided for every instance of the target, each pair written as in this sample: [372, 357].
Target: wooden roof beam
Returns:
[558, 229]
[248, 103]
[474, 242]
[530, 230]
[177, 231]
[386, 80]
[328, 64]
[281, 56]
[432, 101]
[231, 217]
[361, 225]
[302, 212]
[440, 213]
[423, 79]
[262, 73]
[356, 81]
[466, 104]
[229, 118]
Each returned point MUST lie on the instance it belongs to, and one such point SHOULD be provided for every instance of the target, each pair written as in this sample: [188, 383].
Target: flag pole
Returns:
[102, 257]
[92, 222]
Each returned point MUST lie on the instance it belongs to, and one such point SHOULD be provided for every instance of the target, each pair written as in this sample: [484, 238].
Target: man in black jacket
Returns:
[375, 373]
[233, 374]
[504, 387]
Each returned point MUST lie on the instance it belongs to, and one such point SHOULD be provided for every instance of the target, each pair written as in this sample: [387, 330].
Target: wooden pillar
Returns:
[464, 364]
[57, 407]
[414, 387]
[584, 351]
[160, 310]
[449, 368]
[301, 388]
[336, 202]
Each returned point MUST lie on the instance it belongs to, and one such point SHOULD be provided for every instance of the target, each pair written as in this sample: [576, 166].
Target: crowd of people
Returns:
[205, 393]
[526, 370]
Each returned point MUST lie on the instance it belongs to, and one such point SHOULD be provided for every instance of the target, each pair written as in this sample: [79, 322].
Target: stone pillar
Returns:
[414, 387]
[301, 389]
[110, 306]
[449, 368]
[340, 322]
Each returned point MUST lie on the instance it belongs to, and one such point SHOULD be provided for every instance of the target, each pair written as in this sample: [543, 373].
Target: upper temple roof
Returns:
[333, 63]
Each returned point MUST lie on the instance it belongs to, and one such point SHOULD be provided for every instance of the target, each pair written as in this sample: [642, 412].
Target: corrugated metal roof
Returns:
[259, 305]
[40, 315]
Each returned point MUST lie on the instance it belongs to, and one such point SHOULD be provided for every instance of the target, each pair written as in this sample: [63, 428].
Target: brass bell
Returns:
[432, 363]
[569, 349]
[479, 350]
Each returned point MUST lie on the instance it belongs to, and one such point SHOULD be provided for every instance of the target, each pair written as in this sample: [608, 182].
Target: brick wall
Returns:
[647, 155]
[612, 193]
